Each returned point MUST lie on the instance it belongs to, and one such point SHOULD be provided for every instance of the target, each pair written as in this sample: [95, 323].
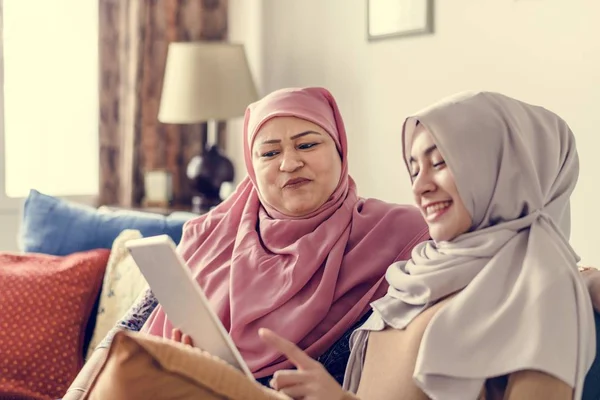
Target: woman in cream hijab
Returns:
[494, 305]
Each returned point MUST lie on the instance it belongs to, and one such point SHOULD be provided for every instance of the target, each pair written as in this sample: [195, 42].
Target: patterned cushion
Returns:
[123, 283]
[45, 303]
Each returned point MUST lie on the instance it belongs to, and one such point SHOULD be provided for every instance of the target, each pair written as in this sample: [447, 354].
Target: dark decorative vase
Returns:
[207, 173]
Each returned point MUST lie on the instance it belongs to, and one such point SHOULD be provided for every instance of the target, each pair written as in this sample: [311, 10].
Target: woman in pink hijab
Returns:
[294, 248]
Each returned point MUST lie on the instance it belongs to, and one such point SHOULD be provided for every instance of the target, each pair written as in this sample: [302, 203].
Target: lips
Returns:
[436, 209]
[296, 182]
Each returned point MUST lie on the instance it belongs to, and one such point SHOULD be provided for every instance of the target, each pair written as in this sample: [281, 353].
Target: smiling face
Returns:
[297, 165]
[434, 189]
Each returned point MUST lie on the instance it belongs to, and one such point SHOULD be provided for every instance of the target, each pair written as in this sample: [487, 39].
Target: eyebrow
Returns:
[296, 136]
[425, 153]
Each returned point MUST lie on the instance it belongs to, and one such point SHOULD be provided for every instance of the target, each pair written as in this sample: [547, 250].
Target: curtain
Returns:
[134, 37]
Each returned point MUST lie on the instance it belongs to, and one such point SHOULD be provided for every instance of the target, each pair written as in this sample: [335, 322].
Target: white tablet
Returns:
[182, 299]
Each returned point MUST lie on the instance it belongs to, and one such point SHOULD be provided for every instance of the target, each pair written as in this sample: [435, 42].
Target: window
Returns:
[50, 97]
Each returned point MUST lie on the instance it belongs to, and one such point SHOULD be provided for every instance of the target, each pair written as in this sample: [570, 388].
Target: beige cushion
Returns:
[123, 283]
[141, 366]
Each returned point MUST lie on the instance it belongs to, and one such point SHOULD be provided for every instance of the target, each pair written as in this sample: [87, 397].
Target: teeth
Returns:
[437, 207]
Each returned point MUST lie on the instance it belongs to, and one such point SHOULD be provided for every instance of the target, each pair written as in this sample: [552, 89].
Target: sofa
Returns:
[80, 248]
[69, 284]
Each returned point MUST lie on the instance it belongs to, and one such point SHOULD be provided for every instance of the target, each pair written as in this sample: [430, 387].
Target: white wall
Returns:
[245, 26]
[540, 51]
[9, 225]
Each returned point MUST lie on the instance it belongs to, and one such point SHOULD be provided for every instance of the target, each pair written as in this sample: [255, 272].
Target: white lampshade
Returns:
[205, 81]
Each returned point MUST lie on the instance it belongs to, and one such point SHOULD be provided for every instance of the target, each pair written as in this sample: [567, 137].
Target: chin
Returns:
[440, 236]
[299, 210]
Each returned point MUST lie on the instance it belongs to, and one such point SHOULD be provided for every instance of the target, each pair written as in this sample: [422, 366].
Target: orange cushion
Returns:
[45, 303]
[140, 366]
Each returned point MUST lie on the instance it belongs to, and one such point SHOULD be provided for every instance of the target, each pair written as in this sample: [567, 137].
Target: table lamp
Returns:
[206, 82]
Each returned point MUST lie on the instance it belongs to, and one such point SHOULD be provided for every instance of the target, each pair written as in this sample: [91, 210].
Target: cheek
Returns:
[448, 183]
[333, 173]
[336, 168]
[264, 175]
[330, 165]
[464, 220]
[445, 180]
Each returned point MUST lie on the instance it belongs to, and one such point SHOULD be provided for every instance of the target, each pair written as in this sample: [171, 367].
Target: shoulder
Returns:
[226, 213]
[391, 212]
[193, 235]
[200, 224]
[397, 226]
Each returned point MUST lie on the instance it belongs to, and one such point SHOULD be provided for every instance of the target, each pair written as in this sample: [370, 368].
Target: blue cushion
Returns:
[55, 226]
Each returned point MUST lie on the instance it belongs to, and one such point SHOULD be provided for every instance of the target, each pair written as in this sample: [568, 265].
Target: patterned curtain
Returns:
[134, 38]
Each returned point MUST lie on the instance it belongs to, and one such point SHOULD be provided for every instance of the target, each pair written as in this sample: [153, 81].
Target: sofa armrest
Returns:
[87, 375]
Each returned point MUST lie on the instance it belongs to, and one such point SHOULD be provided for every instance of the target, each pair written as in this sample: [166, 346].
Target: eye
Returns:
[305, 146]
[269, 154]
[413, 169]
[439, 164]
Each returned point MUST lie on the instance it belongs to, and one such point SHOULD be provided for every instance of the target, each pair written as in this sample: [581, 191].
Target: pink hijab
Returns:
[309, 279]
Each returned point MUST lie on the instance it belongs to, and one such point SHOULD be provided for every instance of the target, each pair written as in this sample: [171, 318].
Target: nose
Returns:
[423, 183]
[290, 162]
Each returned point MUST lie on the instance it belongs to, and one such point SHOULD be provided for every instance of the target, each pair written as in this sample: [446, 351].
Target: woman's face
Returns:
[434, 189]
[297, 165]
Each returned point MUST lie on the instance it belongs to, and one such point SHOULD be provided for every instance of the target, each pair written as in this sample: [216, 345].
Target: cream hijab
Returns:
[522, 304]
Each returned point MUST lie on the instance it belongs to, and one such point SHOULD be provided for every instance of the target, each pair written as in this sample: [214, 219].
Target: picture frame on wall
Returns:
[398, 18]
